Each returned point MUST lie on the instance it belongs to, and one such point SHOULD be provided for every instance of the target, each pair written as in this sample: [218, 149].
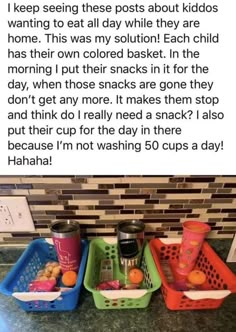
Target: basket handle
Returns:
[36, 296]
[118, 294]
[212, 294]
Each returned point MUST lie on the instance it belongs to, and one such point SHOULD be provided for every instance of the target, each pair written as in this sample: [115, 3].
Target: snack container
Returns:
[220, 283]
[107, 248]
[35, 256]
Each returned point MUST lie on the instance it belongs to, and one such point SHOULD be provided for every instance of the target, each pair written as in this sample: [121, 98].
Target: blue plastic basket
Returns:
[36, 255]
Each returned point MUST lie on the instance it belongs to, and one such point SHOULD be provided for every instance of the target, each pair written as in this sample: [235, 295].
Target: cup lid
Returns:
[196, 226]
[64, 226]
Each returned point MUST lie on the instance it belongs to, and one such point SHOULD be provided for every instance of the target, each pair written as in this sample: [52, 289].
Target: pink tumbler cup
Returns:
[194, 233]
[66, 239]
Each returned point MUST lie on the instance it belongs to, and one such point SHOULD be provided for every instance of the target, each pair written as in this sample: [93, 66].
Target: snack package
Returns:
[42, 285]
[109, 285]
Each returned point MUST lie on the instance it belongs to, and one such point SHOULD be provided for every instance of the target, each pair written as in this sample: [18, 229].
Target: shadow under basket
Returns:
[123, 298]
[35, 256]
[220, 283]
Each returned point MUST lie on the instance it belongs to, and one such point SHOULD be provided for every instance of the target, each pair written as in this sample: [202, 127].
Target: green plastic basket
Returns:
[119, 299]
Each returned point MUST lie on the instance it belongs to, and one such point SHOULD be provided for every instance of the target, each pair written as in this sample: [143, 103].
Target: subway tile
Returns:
[200, 179]
[106, 202]
[179, 191]
[210, 191]
[33, 198]
[85, 192]
[169, 220]
[145, 180]
[65, 197]
[230, 185]
[126, 211]
[94, 213]
[176, 206]
[9, 180]
[226, 179]
[176, 179]
[178, 211]
[214, 210]
[188, 196]
[89, 186]
[233, 210]
[71, 207]
[24, 186]
[19, 192]
[133, 191]
[78, 179]
[117, 192]
[153, 185]
[129, 201]
[51, 180]
[224, 196]
[121, 217]
[82, 202]
[224, 191]
[122, 185]
[174, 201]
[137, 206]
[108, 207]
[105, 186]
[46, 207]
[76, 217]
[152, 201]
[124, 197]
[95, 197]
[146, 191]
[215, 185]
[37, 192]
[219, 200]
[53, 191]
[112, 211]
[103, 180]
[59, 212]
[7, 186]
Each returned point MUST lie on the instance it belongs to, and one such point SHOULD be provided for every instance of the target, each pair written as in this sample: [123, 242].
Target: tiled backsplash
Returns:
[100, 202]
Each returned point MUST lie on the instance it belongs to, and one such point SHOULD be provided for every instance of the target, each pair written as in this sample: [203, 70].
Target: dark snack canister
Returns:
[130, 236]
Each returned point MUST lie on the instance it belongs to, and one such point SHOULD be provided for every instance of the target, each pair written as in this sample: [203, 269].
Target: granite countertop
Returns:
[156, 317]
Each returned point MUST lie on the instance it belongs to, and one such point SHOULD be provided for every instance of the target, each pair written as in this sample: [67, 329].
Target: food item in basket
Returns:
[51, 271]
[135, 275]
[196, 277]
[69, 278]
[109, 285]
[106, 270]
[130, 286]
[42, 285]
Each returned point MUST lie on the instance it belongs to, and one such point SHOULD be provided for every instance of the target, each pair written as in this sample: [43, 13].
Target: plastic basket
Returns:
[119, 299]
[221, 281]
[35, 256]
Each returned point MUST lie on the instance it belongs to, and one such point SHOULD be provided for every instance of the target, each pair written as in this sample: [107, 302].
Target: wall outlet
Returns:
[15, 215]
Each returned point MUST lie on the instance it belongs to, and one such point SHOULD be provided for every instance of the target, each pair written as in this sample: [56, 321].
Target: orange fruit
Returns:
[69, 278]
[196, 277]
[135, 275]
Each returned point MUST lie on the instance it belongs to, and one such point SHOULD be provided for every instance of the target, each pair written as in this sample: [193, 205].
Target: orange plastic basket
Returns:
[221, 281]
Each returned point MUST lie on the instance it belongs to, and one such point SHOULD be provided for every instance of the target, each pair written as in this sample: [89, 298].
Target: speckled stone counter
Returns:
[87, 318]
